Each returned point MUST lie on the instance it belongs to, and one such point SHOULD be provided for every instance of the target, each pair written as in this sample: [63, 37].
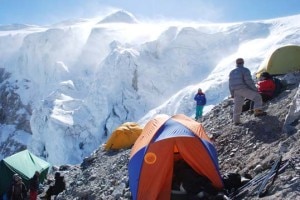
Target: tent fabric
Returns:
[23, 163]
[152, 156]
[283, 60]
[124, 136]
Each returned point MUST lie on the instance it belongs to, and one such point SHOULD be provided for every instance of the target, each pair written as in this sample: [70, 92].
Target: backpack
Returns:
[278, 86]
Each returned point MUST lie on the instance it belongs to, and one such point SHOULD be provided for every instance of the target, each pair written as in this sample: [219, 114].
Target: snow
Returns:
[121, 16]
[84, 78]
[10, 131]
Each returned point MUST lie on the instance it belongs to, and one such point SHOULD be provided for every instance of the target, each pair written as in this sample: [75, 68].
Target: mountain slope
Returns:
[79, 80]
[250, 148]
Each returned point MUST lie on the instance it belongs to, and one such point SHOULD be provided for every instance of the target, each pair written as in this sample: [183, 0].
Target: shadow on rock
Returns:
[267, 130]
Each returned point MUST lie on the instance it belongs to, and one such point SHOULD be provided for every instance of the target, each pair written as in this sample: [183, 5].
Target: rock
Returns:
[258, 169]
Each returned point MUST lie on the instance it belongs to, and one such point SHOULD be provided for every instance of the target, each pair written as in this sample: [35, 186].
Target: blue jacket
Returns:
[200, 98]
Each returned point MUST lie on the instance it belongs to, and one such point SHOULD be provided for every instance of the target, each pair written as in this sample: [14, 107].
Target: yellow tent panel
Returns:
[283, 60]
[124, 136]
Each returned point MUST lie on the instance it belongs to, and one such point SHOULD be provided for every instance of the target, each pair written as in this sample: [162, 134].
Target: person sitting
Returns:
[58, 187]
[266, 86]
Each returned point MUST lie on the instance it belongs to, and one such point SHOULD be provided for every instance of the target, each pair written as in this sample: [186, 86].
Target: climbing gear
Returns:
[262, 191]
[261, 180]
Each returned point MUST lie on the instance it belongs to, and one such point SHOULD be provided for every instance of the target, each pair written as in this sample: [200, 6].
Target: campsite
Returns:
[23, 163]
[251, 148]
[151, 100]
[82, 119]
[138, 162]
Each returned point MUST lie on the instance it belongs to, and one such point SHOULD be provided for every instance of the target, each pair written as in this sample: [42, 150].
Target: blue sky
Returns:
[43, 12]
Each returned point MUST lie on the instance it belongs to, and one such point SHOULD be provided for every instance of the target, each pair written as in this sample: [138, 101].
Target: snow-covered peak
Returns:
[120, 16]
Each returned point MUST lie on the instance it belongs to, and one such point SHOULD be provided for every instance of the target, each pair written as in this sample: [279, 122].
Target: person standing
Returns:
[18, 189]
[200, 103]
[34, 186]
[241, 87]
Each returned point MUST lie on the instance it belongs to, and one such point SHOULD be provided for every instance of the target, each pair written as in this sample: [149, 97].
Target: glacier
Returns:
[65, 87]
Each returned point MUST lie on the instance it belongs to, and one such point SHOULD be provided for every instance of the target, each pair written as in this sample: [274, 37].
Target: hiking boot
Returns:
[258, 112]
[237, 123]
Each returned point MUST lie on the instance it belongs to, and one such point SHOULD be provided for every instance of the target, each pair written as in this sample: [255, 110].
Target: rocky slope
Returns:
[249, 148]
[13, 114]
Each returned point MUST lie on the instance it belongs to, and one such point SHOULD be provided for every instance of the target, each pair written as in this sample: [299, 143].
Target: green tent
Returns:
[23, 163]
[283, 60]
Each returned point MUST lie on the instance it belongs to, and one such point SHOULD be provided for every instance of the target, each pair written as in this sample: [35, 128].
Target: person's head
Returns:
[36, 174]
[199, 90]
[56, 175]
[239, 61]
[265, 76]
[15, 176]
[18, 180]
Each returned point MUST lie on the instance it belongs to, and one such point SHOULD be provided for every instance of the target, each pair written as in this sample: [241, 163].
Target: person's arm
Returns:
[196, 97]
[248, 79]
[229, 86]
[24, 190]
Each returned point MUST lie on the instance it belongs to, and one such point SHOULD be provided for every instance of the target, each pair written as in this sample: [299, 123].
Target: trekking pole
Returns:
[252, 182]
[255, 181]
[273, 172]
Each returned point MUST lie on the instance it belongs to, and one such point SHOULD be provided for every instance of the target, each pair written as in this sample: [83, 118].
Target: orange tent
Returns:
[124, 136]
[152, 156]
